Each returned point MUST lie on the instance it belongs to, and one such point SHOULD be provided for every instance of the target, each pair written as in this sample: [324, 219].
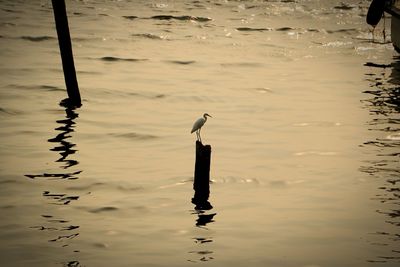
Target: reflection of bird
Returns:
[198, 124]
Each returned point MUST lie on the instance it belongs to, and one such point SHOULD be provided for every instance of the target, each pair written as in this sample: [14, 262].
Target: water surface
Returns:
[304, 135]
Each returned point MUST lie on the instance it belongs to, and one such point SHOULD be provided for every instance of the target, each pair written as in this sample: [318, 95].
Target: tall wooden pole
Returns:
[64, 41]
[201, 183]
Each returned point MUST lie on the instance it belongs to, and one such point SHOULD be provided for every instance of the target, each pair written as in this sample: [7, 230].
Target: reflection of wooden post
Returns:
[201, 183]
[64, 41]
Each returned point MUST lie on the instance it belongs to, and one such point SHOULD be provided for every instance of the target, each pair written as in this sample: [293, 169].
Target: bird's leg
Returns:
[197, 135]
[200, 135]
[373, 34]
[384, 28]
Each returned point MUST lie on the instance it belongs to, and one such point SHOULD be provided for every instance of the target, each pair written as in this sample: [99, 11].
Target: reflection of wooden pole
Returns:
[64, 41]
[201, 183]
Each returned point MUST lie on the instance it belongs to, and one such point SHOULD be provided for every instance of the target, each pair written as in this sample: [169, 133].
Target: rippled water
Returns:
[305, 135]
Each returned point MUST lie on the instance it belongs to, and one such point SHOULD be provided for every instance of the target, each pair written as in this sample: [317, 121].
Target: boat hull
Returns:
[394, 10]
[395, 31]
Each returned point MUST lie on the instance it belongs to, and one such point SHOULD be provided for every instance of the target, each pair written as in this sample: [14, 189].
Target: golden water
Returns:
[304, 135]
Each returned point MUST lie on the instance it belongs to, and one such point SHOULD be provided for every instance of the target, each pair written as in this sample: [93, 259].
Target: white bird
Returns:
[198, 124]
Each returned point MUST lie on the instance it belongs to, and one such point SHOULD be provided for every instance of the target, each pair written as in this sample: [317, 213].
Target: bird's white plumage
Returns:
[198, 124]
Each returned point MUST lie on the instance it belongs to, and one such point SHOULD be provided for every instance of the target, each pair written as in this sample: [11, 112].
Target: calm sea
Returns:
[305, 135]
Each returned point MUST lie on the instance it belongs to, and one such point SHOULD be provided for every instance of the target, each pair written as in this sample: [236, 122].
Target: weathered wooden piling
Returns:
[201, 183]
[64, 41]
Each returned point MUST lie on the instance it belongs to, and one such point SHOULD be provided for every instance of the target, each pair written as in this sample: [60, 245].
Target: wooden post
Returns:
[201, 183]
[64, 41]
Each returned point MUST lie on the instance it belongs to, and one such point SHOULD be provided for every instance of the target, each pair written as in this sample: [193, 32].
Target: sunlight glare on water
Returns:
[304, 135]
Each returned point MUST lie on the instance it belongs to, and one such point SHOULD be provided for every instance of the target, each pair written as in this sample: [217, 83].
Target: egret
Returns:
[198, 124]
